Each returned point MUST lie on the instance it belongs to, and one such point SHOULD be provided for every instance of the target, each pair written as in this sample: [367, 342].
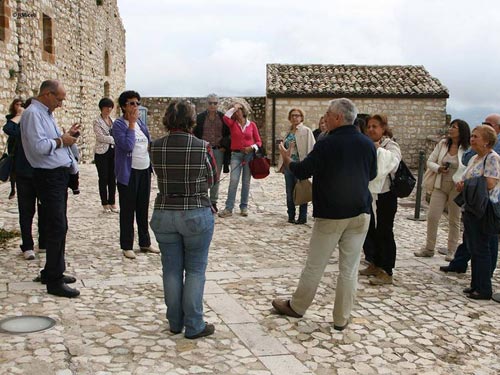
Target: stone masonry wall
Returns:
[157, 105]
[82, 33]
[412, 120]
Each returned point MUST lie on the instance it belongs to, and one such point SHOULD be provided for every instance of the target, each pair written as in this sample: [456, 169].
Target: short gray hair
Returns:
[50, 85]
[212, 96]
[344, 107]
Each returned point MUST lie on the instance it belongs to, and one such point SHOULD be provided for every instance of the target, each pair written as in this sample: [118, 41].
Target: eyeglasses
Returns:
[133, 103]
[213, 103]
[55, 95]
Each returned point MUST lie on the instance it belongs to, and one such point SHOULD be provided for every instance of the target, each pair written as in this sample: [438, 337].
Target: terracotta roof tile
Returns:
[352, 80]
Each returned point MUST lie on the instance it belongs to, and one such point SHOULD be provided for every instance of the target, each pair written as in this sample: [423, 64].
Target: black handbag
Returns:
[403, 183]
[6, 162]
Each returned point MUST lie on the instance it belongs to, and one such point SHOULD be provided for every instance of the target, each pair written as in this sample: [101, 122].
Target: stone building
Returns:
[79, 42]
[413, 100]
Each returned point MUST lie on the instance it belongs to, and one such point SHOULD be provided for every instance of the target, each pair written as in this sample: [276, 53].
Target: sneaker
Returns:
[150, 249]
[129, 254]
[225, 213]
[106, 209]
[449, 256]
[424, 253]
[371, 270]
[382, 278]
[114, 209]
[244, 212]
[29, 254]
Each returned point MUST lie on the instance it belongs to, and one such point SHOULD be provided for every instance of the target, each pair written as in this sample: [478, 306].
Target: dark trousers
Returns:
[134, 200]
[52, 190]
[462, 255]
[477, 243]
[379, 243]
[105, 164]
[27, 204]
[290, 181]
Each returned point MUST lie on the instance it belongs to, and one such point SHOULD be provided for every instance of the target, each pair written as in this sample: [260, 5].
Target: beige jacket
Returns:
[305, 143]
[436, 160]
[103, 138]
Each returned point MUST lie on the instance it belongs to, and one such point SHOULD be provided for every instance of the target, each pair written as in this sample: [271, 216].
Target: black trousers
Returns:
[52, 190]
[379, 241]
[105, 164]
[28, 204]
[134, 200]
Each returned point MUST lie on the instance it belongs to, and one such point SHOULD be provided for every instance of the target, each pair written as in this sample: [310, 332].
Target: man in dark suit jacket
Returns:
[211, 128]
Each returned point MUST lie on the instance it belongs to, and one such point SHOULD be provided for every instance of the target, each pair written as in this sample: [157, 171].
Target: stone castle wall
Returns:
[412, 120]
[157, 105]
[82, 34]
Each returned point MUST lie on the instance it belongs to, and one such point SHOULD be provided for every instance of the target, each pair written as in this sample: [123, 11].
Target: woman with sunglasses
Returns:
[300, 141]
[133, 174]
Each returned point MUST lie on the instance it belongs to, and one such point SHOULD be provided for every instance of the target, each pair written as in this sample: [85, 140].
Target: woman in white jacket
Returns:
[379, 246]
[300, 140]
[446, 163]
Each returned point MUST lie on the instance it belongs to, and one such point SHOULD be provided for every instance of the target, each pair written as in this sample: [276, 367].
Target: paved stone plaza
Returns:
[422, 324]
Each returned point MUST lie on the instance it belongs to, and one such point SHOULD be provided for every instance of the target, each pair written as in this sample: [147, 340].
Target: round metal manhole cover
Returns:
[26, 324]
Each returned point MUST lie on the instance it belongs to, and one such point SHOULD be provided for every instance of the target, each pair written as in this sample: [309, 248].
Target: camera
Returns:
[278, 141]
[447, 165]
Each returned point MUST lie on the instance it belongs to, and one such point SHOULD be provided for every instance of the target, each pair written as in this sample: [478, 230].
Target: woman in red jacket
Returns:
[245, 139]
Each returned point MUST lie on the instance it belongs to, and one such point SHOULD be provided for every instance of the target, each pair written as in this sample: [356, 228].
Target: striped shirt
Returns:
[185, 169]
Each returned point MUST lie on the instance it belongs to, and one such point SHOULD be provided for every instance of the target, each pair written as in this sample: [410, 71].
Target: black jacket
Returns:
[341, 164]
[226, 136]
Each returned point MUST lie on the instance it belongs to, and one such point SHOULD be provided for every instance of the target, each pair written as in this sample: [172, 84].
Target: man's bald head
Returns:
[493, 120]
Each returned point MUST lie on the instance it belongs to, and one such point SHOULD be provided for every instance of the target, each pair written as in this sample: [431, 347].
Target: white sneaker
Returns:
[129, 254]
[225, 213]
[244, 212]
[150, 249]
[29, 254]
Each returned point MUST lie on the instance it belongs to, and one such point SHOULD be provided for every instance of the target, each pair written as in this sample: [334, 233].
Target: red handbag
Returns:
[259, 167]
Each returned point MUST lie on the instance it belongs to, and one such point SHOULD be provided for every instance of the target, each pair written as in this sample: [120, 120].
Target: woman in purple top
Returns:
[133, 174]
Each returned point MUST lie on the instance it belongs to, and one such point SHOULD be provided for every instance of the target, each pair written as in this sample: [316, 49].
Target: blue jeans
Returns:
[237, 169]
[290, 181]
[184, 238]
[477, 243]
[214, 190]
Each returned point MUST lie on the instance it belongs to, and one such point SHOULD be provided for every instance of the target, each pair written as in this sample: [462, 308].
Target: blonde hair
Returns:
[487, 133]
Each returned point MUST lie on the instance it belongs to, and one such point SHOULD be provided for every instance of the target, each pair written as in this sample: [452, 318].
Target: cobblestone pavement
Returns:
[422, 324]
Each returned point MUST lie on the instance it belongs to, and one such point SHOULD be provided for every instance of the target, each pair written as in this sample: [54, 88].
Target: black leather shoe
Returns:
[468, 290]
[450, 269]
[300, 221]
[209, 329]
[62, 290]
[291, 221]
[477, 295]
[65, 279]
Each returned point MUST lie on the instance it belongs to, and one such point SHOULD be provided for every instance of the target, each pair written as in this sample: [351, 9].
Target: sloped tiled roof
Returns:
[352, 81]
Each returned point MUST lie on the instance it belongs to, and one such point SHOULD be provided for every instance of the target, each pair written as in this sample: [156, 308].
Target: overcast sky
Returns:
[194, 47]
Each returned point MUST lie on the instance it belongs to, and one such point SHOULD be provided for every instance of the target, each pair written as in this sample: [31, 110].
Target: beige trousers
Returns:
[439, 199]
[349, 234]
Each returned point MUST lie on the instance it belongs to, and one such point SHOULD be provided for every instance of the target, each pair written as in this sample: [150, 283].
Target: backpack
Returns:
[403, 183]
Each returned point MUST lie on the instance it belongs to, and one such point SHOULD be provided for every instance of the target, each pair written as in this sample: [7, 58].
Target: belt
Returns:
[235, 150]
